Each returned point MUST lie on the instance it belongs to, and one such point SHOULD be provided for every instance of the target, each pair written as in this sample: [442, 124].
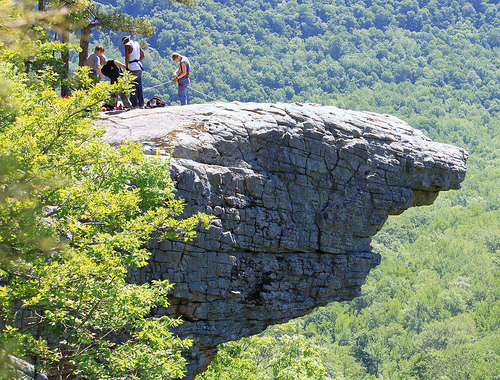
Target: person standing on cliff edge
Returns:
[181, 76]
[133, 57]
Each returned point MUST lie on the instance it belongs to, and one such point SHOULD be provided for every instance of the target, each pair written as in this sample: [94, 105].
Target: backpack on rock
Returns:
[156, 101]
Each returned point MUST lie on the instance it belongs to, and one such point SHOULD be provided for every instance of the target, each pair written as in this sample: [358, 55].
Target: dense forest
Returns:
[431, 310]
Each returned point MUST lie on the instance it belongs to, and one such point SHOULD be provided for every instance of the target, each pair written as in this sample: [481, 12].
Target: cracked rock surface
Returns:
[297, 191]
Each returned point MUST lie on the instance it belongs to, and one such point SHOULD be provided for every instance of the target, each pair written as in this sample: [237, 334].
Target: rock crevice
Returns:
[297, 192]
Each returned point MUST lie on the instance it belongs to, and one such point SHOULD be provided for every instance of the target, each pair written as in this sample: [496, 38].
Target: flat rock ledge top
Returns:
[297, 192]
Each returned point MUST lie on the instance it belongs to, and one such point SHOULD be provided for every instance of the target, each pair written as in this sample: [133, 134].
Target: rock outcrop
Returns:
[297, 191]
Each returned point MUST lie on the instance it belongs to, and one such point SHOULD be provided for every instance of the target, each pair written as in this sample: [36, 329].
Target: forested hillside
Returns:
[431, 310]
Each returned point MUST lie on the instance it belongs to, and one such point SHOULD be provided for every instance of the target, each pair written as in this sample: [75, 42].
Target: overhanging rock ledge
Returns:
[297, 191]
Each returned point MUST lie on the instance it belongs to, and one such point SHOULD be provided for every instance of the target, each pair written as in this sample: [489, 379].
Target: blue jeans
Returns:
[137, 97]
[182, 91]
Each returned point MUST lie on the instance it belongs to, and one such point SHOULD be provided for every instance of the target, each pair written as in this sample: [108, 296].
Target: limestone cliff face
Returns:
[297, 191]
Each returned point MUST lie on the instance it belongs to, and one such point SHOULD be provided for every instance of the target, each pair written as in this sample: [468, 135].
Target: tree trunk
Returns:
[65, 90]
[84, 42]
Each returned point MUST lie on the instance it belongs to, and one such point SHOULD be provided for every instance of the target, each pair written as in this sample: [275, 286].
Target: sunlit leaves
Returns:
[75, 215]
[279, 353]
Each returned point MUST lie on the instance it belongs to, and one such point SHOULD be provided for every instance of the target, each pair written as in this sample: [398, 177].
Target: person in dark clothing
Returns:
[112, 68]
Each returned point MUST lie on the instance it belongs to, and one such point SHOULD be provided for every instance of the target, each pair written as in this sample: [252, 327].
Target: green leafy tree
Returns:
[75, 215]
[298, 359]
[278, 354]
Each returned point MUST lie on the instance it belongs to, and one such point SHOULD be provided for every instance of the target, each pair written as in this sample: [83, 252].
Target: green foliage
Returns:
[278, 355]
[75, 215]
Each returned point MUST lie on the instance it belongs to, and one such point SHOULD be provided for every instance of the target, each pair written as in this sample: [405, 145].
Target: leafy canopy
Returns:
[75, 215]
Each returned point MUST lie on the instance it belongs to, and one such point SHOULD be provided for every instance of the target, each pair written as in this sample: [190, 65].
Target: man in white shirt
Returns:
[133, 57]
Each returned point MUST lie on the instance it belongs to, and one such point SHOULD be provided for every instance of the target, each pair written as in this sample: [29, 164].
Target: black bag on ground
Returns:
[109, 107]
[156, 101]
